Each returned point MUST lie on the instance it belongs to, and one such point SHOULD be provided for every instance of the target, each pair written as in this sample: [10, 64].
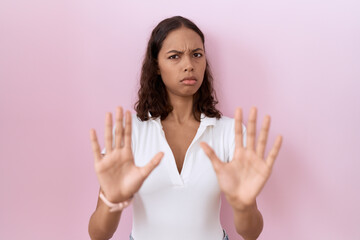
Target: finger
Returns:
[251, 128]
[95, 145]
[261, 144]
[238, 128]
[154, 162]
[119, 127]
[216, 162]
[108, 133]
[274, 151]
[128, 129]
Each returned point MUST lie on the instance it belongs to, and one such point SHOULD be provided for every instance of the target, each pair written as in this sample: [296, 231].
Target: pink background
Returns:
[64, 64]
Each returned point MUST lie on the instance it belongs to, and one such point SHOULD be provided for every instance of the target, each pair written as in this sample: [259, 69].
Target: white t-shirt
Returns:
[182, 206]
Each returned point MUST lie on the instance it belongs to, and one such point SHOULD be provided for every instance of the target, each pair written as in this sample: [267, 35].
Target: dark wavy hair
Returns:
[152, 94]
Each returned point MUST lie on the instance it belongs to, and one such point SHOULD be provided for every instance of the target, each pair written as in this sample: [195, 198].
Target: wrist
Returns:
[239, 205]
[115, 207]
[243, 208]
[112, 195]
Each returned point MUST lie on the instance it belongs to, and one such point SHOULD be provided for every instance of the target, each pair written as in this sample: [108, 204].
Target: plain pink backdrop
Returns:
[64, 64]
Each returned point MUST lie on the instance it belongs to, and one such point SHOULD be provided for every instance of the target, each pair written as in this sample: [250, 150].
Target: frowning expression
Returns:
[182, 62]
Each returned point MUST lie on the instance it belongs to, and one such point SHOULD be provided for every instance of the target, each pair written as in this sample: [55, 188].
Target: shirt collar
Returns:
[204, 120]
[207, 121]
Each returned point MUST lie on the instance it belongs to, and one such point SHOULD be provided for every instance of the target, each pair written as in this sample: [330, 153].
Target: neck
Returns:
[182, 109]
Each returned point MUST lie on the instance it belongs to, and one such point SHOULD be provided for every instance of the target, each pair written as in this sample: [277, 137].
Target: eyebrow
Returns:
[176, 51]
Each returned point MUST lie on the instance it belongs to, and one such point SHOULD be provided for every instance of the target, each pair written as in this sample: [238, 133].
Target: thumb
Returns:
[216, 162]
[154, 162]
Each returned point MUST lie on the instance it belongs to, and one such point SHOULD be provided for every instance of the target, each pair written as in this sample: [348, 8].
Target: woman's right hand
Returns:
[117, 173]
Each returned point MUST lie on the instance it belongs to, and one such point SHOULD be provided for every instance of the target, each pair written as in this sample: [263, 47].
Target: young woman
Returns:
[177, 154]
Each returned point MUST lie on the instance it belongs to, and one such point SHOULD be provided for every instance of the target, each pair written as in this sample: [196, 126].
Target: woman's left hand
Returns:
[243, 178]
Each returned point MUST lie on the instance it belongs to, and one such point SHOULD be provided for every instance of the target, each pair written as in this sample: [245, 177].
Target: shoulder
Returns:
[224, 121]
[138, 124]
[227, 124]
[223, 126]
[143, 127]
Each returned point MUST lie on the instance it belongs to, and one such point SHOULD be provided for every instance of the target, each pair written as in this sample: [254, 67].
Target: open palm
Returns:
[117, 173]
[243, 178]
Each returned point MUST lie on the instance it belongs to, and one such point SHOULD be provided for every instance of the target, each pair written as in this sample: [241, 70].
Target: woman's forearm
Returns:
[103, 223]
[248, 222]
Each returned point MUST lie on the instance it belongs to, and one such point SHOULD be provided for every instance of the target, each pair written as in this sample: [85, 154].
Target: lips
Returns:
[189, 79]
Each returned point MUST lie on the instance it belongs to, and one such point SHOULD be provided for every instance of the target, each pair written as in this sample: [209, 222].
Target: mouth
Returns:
[189, 80]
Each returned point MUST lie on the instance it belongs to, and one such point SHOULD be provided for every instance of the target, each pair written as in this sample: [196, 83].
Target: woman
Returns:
[176, 194]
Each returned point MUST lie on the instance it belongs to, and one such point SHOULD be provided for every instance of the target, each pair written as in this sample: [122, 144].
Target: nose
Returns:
[190, 69]
[188, 65]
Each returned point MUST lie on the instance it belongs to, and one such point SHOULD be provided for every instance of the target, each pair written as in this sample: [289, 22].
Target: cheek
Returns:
[167, 74]
[170, 71]
[203, 67]
[166, 68]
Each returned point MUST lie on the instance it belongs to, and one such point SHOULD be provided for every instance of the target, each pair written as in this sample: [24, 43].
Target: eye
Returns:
[174, 56]
[198, 55]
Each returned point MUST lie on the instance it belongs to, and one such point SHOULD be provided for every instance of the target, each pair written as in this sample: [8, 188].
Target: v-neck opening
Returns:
[182, 176]
[186, 152]
[179, 179]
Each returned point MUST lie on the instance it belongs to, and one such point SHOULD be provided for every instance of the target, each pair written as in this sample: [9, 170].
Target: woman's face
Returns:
[182, 62]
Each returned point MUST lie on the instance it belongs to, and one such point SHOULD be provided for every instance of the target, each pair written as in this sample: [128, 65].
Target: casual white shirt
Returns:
[181, 206]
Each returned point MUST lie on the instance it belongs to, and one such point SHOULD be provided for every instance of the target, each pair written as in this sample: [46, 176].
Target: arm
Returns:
[243, 178]
[103, 223]
[117, 173]
[248, 222]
